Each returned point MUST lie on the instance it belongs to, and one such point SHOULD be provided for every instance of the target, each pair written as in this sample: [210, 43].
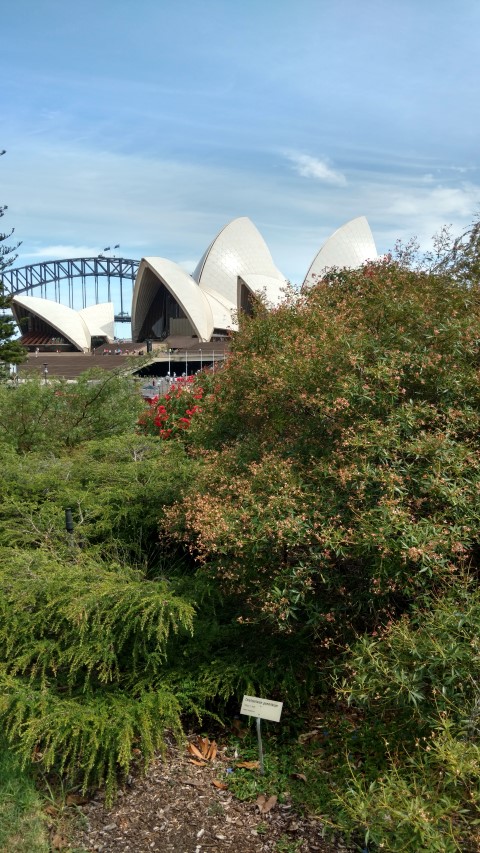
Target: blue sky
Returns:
[153, 123]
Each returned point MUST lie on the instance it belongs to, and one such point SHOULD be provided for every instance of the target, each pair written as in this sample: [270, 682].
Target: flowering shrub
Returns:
[342, 468]
[171, 415]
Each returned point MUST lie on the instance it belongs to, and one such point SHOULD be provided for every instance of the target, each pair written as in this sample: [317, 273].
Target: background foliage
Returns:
[35, 416]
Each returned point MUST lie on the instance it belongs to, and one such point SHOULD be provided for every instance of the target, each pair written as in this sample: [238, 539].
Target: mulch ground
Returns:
[178, 808]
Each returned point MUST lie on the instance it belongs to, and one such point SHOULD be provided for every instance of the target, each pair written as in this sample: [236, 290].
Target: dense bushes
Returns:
[342, 471]
[117, 488]
[417, 686]
[318, 515]
[97, 657]
[85, 620]
[337, 500]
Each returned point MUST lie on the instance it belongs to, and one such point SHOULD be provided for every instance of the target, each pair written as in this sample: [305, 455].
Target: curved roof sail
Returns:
[156, 272]
[239, 249]
[77, 327]
[349, 246]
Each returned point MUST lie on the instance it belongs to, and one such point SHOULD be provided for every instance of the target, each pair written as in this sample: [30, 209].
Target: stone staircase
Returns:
[68, 365]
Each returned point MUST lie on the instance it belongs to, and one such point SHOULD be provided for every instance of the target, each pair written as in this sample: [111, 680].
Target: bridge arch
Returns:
[77, 273]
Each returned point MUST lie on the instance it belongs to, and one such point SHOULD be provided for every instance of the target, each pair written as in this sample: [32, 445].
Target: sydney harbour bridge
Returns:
[78, 282]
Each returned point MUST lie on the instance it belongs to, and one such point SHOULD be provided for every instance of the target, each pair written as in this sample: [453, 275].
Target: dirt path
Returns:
[177, 808]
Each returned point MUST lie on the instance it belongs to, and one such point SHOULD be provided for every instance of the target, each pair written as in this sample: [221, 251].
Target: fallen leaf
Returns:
[299, 776]
[212, 752]
[194, 751]
[308, 736]
[221, 785]
[76, 800]
[249, 765]
[51, 810]
[204, 745]
[197, 763]
[59, 842]
[265, 805]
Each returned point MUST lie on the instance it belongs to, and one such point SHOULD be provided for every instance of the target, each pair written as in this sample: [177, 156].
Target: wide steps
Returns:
[68, 365]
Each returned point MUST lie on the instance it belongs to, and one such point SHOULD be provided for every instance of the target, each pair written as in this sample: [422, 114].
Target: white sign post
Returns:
[262, 709]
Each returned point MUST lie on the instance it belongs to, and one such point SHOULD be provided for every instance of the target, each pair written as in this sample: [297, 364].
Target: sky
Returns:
[153, 123]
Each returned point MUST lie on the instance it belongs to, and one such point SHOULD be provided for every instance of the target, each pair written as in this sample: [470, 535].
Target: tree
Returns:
[6, 251]
[343, 468]
[45, 418]
[11, 351]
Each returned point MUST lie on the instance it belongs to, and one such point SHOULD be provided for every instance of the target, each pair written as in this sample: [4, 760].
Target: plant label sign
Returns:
[266, 709]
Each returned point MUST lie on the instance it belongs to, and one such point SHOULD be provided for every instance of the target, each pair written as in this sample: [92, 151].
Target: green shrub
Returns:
[416, 687]
[90, 737]
[425, 664]
[97, 661]
[429, 802]
[116, 486]
[82, 651]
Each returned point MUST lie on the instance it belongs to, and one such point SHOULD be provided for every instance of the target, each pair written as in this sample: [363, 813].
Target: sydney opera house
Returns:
[235, 270]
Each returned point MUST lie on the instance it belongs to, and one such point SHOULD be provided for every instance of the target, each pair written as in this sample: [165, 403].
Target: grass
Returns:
[22, 826]
[301, 773]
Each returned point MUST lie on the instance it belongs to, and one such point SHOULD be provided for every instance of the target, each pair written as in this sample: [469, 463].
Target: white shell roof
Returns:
[100, 320]
[183, 288]
[65, 320]
[239, 249]
[262, 285]
[350, 246]
[211, 297]
[224, 312]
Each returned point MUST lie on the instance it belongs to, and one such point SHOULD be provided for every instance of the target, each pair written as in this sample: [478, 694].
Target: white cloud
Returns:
[312, 167]
[440, 200]
[461, 169]
[60, 251]
[72, 200]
